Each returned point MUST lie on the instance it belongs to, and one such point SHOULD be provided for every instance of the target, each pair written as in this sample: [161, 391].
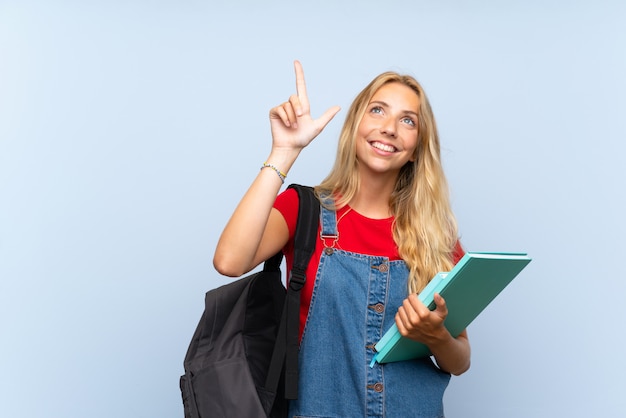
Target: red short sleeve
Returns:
[458, 253]
[287, 204]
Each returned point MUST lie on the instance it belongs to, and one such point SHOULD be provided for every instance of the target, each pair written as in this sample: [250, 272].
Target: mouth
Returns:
[383, 147]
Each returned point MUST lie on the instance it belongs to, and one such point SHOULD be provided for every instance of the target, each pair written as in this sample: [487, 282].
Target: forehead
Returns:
[397, 95]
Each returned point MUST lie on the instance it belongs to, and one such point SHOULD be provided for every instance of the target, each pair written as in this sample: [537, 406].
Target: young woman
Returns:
[386, 230]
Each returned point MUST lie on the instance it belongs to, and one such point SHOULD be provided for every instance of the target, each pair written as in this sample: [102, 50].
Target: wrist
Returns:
[440, 338]
[280, 174]
[282, 159]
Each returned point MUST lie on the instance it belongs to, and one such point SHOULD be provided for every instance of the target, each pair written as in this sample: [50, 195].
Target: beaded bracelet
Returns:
[281, 175]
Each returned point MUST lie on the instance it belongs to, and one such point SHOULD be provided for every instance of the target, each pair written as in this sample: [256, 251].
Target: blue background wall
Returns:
[129, 130]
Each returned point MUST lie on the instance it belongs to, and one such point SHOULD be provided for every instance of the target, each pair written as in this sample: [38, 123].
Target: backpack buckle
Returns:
[297, 279]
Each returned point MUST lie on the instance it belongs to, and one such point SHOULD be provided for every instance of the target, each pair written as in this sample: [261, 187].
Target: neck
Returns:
[372, 198]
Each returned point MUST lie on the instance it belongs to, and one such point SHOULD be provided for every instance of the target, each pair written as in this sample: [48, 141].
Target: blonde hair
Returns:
[425, 228]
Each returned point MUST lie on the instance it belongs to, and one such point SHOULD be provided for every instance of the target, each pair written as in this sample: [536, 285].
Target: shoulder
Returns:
[458, 252]
[287, 204]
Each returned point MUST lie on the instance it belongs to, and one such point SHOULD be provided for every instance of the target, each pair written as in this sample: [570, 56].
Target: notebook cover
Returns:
[467, 289]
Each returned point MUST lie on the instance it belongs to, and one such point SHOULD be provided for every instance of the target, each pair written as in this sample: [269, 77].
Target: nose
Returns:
[388, 127]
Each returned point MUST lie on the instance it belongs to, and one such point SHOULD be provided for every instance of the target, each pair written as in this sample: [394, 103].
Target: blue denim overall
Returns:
[354, 301]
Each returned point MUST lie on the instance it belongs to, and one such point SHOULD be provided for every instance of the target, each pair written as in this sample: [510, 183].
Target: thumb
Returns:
[441, 308]
[326, 117]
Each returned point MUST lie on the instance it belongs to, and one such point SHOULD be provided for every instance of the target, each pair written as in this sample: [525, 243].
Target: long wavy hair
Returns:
[424, 229]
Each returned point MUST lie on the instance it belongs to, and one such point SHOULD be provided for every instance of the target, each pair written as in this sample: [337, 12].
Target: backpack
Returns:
[248, 331]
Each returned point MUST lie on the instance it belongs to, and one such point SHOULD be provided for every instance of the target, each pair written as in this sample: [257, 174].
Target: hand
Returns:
[414, 320]
[291, 122]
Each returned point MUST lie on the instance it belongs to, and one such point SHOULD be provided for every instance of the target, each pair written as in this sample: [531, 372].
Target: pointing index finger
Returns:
[301, 87]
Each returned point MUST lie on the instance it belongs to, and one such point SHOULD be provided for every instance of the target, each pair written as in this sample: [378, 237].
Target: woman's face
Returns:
[387, 135]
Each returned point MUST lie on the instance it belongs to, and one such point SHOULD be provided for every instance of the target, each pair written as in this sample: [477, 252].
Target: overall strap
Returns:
[328, 221]
[287, 341]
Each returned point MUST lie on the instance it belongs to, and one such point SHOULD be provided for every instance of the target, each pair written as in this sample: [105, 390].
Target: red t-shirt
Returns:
[357, 234]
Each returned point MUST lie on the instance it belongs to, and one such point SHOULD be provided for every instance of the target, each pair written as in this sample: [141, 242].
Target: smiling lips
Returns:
[383, 147]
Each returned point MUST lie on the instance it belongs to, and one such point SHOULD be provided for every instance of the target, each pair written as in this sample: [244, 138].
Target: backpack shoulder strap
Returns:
[287, 341]
[304, 246]
[306, 233]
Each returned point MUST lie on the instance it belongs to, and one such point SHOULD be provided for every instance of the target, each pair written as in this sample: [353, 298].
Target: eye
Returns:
[408, 120]
[376, 109]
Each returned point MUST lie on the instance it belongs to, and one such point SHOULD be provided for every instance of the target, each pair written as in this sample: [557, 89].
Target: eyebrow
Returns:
[385, 104]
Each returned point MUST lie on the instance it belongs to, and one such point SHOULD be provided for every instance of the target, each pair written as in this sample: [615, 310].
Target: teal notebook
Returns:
[467, 289]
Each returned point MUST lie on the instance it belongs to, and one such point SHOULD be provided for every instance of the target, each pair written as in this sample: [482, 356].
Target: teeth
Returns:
[383, 147]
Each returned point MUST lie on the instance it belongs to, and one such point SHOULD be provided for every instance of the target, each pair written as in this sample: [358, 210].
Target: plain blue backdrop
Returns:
[130, 129]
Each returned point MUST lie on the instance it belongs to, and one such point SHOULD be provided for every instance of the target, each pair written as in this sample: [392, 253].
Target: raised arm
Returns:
[255, 230]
